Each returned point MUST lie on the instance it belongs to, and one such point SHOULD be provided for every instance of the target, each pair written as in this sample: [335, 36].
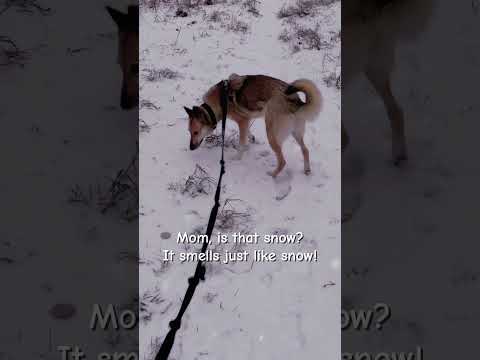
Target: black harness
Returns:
[199, 274]
[212, 118]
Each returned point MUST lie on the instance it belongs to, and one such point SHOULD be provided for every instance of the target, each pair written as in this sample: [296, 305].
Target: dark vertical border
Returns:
[69, 234]
[409, 265]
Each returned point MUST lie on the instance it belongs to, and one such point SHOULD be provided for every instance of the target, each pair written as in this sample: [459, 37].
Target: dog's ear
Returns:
[196, 110]
[188, 111]
[117, 16]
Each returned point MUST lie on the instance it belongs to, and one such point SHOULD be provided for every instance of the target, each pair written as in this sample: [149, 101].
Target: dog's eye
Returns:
[134, 69]
[195, 133]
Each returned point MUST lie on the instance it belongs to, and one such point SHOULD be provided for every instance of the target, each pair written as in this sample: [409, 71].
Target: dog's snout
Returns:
[193, 146]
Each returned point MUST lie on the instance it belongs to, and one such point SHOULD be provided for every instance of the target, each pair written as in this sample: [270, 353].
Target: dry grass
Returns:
[234, 216]
[149, 298]
[307, 38]
[153, 75]
[154, 5]
[25, 6]
[215, 140]
[147, 104]
[199, 183]
[10, 54]
[252, 6]
[285, 36]
[228, 21]
[217, 16]
[310, 38]
[119, 193]
[185, 8]
[333, 80]
[238, 26]
[302, 8]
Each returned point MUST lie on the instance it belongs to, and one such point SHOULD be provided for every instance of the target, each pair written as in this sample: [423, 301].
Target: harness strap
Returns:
[232, 96]
[211, 115]
[199, 274]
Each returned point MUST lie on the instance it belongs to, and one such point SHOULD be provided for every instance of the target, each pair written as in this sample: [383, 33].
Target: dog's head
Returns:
[198, 126]
[127, 25]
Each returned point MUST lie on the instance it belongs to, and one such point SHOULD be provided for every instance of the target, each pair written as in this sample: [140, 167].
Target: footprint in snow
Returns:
[283, 192]
[264, 153]
[283, 185]
[192, 217]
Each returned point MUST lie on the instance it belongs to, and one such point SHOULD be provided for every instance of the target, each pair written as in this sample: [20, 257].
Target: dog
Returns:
[371, 30]
[253, 96]
[128, 46]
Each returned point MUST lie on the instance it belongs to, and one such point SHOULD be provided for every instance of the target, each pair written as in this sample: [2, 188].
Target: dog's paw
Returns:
[307, 172]
[273, 174]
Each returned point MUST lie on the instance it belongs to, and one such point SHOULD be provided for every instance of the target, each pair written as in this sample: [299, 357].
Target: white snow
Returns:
[245, 310]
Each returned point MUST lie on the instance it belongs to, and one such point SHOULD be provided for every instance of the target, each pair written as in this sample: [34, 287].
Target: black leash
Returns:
[199, 274]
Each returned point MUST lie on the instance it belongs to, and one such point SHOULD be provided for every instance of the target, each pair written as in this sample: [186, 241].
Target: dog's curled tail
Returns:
[314, 99]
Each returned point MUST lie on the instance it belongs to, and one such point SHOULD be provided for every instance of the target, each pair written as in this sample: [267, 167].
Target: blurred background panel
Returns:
[409, 226]
[69, 234]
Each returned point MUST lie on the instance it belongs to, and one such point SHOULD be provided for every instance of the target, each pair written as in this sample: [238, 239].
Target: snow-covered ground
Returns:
[244, 310]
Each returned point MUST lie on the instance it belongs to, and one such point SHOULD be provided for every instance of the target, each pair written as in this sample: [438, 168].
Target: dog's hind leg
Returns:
[298, 136]
[276, 146]
[278, 126]
[277, 149]
[378, 73]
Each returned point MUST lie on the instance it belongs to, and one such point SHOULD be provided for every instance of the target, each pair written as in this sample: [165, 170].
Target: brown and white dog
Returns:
[253, 96]
[127, 54]
[371, 30]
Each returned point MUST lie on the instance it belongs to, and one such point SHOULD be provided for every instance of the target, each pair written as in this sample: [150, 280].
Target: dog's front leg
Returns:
[243, 138]
[251, 137]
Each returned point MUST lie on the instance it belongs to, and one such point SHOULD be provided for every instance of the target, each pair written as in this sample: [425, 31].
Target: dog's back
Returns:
[256, 90]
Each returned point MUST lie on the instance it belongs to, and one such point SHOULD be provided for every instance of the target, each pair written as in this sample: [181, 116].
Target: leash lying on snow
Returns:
[199, 274]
